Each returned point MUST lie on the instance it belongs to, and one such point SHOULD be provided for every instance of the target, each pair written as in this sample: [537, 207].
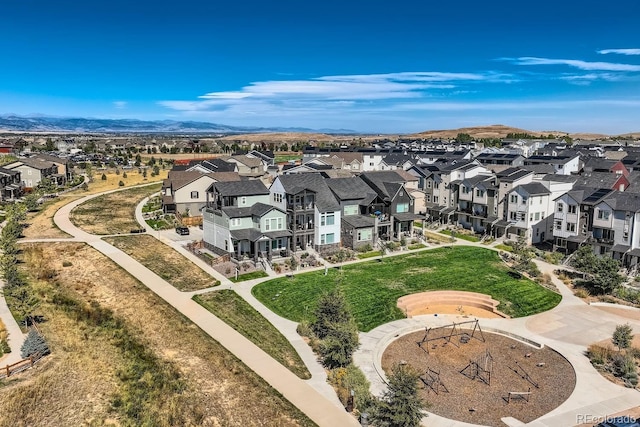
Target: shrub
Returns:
[622, 336]
[104, 177]
[66, 263]
[365, 248]
[598, 355]
[121, 184]
[4, 347]
[34, 344]
[124, 174]
[349, 378]
[304, 329]
[581, 293]
[553, 257]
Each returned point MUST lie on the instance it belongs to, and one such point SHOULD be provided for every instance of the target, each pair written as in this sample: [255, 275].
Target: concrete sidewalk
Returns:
[298, 392]
[15, 338]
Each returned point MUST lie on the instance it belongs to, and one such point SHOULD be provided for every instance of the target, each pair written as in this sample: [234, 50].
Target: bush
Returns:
[34, 344]
[124, 174]
[66, 263]
[598, 355]
[365, 248]
[304, 329]
[581, 293]
[344, 380]
[121, 184]
[553, 257]
[4, 347]
[104, 177]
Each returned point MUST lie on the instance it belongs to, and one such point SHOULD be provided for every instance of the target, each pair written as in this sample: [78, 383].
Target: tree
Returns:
[400, 405]
[34, 344]
[602, 272]
[463, 138]
[104, 177]
[337, 348]
[31, 202]
[332, 308]
[121, 184]
[622, 336]
[50, 145]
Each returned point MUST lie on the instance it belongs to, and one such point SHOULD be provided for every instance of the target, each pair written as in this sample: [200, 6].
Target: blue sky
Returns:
[371, 66]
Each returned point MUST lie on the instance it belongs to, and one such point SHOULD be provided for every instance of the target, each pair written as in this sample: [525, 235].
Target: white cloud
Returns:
[576, 63]
[620, 51]
[120, 105]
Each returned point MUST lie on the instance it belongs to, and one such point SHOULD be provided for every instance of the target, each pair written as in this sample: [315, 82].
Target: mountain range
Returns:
[89, 125]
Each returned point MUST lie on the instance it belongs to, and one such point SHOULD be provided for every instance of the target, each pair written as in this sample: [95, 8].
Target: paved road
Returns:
[298, 392]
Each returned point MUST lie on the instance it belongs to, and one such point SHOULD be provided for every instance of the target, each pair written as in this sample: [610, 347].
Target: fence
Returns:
[188, 221]
[20, 366]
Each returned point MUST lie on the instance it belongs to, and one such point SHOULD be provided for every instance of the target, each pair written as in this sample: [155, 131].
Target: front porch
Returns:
[254, 244]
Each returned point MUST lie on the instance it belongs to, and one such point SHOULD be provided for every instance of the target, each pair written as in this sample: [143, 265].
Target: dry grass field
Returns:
[41, 225]
[112, 213]
[122, 356]
[164, 261]
[491, 131]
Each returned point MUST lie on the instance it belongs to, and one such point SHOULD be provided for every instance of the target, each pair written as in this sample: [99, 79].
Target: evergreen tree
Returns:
[400, 405]
[34, 344]
[337, 348]
[332, 308]
[622, 336]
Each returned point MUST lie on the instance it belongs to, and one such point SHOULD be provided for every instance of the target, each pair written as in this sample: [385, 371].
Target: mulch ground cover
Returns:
[514, 366]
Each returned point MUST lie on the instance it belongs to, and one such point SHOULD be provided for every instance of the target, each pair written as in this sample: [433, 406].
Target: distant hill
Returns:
[491, 131]
[88, 125]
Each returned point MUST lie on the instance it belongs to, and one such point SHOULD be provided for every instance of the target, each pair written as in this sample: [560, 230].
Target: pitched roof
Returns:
[251, 187]
[258, 210]
[325, 200]
[623, 201]
[533, 188]
[350, 188]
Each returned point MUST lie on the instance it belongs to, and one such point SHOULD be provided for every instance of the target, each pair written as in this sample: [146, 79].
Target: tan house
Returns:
[185, 192]
[248, 166]
[32, 171]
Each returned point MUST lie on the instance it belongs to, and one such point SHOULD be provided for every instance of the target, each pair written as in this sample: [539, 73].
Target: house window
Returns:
[326, 239]
[277, 197]
[604, 215]
[271, 224]
[428, 198]
[327, 219]
[402, 207]
[351, 210]
[572, 209]
[465, 190]
[571, 226]
[365, 234]
[531, 217]
[428, 183]
[560, 207]
[513, 216]
[558, 224]
[243, 201]
[194, 194]
[435, 199]
[479, 193]
[524, 201]
[513, 198]
[235, 222]
[537, 216]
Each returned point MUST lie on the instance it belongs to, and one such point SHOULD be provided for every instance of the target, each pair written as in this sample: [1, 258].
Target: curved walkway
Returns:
[298, 392]
[15, 336]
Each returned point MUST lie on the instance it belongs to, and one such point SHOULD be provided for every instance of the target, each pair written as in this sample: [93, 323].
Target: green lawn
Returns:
[249, 276]
[372, 288]
[287, 157]
[237, 313]
[466, 237]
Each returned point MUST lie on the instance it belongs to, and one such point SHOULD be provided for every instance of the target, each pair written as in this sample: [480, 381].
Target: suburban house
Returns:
[478, 203]
[573, 217]
[64, 174]
[530, 210]
[33, 171]
[314, 214]
[563, 164]
[393, 205]
[10, 184]
[185, 192]
[206, 166]
[358, 227]
[500, 158]
[239, 220]
[616, 227]
[248, 165]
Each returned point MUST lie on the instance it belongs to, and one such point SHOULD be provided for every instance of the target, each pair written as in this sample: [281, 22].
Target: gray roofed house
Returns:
[324, 200]
[534, 188]
[240, 188]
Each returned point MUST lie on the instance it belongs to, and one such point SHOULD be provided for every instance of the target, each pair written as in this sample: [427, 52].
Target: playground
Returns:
[478, 377]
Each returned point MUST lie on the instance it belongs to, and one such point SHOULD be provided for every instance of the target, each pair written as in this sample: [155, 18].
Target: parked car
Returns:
[183, 231]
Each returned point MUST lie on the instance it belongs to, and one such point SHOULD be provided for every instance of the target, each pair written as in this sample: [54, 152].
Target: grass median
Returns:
[164, 261]
[237, 313]
[112, 213]
[373, 288]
